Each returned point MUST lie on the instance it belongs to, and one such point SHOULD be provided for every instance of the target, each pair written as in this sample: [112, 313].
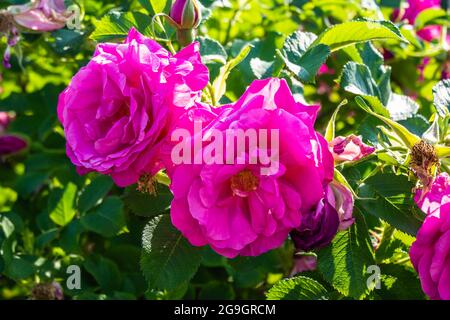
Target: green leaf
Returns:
[357, 79]
[408, 138]
[441, 93]
[431, 16]
[392, 202]
[147, 205]
[19, 268]
[68, 41]
[399, 283]
[301, 59]
[116, 25]
[331, 127]
[212, 51]
[297, 288]
[61, 204]
[344, 263]
[260, 68]
[168, 259]
[94, 192]
[220, 83]
[107, 219]
[401, 107]
[46, 237]
[158, 5]
[349, 33]
[352, 32]
[216, 291]
[104, 271]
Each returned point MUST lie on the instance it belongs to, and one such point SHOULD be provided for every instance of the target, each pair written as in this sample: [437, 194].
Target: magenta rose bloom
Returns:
[430, 254]
[118, 109]
[243, 207]
[430, 201]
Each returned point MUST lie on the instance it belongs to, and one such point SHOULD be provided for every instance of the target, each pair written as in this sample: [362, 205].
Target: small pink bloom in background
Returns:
[349, 148]
[324, 69]
[412, 10]
[439, 194]
[341, 198]
[304, 262]
[235, 208]
[121, 106]
[41, 15]
[5, 119]
[430, 254]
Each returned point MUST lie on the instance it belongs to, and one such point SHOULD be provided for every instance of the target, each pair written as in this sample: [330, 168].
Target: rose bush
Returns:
[198, 149]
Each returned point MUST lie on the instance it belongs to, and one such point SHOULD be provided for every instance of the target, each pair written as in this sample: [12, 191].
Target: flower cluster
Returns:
[120, 113]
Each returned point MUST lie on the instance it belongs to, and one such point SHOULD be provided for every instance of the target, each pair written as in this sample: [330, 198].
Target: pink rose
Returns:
[430, 254]
[242, 209]
[349, 148]
[413, 9]
[431, 200]
[119, 108]
[41, 15]
[340, 198]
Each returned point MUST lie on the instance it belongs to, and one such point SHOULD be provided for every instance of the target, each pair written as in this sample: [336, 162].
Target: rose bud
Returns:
[186, 16]
[349, 148]
[342, 200]
[317, 228]
[11, 144]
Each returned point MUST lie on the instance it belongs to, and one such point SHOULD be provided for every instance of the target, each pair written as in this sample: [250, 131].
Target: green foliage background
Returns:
[51, 218]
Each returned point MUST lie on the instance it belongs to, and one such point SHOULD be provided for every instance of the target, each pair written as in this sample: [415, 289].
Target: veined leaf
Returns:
[331, 127]
[116, 25]
[344, 262]
[392, 202]
[167, 259]
[407, 137]
[298, 288]
[441, 93]
[107, 219]
[61, 204]
[349, 33]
